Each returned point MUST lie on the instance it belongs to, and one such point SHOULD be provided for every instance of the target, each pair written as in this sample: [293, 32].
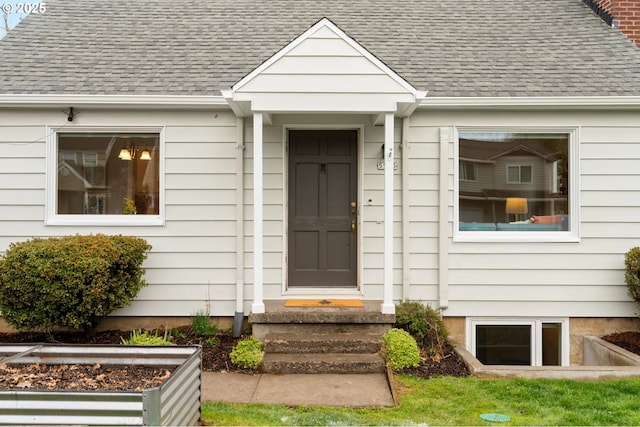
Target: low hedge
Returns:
[71, 281]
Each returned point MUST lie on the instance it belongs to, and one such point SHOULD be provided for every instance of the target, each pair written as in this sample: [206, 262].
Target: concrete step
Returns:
[322, 363]
[261, 330]
[316, 342]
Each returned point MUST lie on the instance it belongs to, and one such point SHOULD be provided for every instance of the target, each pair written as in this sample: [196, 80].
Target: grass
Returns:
[460, 401]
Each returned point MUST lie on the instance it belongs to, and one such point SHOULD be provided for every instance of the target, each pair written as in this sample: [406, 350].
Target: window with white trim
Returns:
[519, 174]
[117, 181]
[526, 342]
[468, 171]
[522, 184]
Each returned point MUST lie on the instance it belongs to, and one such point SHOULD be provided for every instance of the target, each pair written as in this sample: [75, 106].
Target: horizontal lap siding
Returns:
[423, 203]
[192, 263]
[372, 213]
[552, 279]
[22, 178]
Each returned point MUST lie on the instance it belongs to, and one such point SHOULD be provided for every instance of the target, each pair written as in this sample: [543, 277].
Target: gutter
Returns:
[238, 317]
[543, 102]
[113, 101]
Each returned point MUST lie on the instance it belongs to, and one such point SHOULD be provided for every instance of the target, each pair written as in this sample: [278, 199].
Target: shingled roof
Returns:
[452, 48]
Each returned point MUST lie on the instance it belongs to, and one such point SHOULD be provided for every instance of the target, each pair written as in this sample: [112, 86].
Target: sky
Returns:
[15, 10]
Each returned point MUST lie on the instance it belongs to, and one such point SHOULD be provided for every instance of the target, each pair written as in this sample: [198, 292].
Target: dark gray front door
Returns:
[322, 208]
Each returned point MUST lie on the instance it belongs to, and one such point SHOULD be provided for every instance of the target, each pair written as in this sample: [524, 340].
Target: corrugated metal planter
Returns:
[175, 402]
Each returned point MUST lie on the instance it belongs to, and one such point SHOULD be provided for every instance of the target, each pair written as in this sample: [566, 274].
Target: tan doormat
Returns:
[342, 303]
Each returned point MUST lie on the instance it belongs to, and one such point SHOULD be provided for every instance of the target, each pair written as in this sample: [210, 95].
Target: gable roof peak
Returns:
[314, 30]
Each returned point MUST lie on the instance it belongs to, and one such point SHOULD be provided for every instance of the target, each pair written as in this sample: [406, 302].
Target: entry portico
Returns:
[323, 71]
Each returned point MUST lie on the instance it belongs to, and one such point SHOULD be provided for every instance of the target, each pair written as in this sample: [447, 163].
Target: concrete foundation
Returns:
[607, 362]
[583, 326]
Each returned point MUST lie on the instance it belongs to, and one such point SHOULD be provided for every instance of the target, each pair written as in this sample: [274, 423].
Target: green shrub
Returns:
[424, 324]
[632, 272]
[71, 281]
[247, 353]
[201, 324]
[145, 338]
[400, 349]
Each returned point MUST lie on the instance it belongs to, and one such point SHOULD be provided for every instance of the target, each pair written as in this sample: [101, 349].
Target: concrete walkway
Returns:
[350, 390]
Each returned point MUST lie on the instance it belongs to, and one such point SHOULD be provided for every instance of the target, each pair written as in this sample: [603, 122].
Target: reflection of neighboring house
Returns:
[77, 191]
[492, 172]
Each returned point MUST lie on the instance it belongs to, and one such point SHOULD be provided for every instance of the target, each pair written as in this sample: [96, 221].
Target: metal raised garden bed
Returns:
[175, 402]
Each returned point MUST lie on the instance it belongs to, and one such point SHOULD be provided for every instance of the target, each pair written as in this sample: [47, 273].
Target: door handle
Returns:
[353, 227]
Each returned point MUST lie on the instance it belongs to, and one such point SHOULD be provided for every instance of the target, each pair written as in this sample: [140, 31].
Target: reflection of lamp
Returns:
[125, 154]
[129, 153]
[517, 206]
[145, 155]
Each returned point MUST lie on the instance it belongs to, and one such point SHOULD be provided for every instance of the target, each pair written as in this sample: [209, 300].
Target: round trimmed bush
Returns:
[401, 349]
[247, 353]
[71, 281]
[632, 272]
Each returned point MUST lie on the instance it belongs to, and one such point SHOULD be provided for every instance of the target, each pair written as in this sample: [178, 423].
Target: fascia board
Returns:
[113, 101]
[586, 102]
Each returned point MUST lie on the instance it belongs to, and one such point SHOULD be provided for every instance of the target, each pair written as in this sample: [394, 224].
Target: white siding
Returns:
[192, 263]
[584, 279]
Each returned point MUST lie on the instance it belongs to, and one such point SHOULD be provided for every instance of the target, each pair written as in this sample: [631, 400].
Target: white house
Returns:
[480, 157]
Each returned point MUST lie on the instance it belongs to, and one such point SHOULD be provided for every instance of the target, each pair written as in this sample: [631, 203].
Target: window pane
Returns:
[513, 174]
[551, 344]
[530, 167]
[503, 344]
[119, 174]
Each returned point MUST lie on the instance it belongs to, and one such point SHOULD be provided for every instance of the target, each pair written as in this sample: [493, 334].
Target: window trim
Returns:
[52, 218]
[571, 236]
[536, 332]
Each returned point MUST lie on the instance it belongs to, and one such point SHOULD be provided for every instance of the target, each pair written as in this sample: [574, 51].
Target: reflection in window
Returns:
[118, 174]
[467, 171]
[503, 344]
[513, 181]
[533, 342]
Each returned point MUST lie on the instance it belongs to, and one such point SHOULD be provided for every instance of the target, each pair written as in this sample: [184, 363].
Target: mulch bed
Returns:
[628, 340]
[215, 358]
[81, 377]
[440, 365]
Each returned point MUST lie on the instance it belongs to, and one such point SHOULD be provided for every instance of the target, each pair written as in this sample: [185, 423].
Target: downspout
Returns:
[238, 317]
[406, 247]
[443, 221]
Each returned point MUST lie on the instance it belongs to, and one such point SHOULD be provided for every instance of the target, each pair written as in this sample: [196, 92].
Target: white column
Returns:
[258, 291]
[387, 304]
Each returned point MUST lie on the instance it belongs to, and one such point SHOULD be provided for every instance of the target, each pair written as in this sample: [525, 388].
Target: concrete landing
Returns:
[346, 390]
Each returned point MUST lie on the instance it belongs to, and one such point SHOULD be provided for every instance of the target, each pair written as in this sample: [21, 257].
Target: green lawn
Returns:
[460, 401]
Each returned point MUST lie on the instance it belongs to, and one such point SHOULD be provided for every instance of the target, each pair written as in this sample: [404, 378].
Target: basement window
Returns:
[523, 342]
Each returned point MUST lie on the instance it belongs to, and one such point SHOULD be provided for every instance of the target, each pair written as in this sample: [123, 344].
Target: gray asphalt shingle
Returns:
[448, 47]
